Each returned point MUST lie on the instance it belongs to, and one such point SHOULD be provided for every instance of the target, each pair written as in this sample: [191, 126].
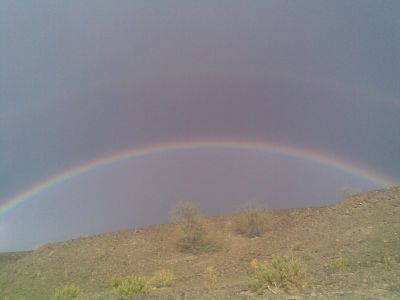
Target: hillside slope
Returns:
[363, 230]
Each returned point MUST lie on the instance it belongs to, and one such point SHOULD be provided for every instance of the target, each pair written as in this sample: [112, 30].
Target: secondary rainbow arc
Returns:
[297, 152]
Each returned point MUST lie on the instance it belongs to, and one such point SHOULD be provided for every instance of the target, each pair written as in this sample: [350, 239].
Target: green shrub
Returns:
[163, 278]
[283, 272]
[195, 238]
[339, 263]
[251, 222]
[132, 287]
[67, 292]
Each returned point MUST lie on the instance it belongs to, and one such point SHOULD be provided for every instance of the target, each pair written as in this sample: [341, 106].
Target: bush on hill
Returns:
[67, 292]
[195, 238]
[133, 286]
[251, 222]
[283, 272]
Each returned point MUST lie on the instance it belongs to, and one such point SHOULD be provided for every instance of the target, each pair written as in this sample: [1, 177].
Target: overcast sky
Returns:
[84, 79]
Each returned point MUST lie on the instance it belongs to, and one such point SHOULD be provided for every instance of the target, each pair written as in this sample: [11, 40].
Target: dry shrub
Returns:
[163, 278]
[251, 222]
[211, 277]
[339, 263]
[195, 238]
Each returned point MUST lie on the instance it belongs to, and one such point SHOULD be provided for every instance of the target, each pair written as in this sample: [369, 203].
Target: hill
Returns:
[10, 257]
[348, 250]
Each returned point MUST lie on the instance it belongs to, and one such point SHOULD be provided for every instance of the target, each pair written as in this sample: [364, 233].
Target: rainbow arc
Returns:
[297, 152]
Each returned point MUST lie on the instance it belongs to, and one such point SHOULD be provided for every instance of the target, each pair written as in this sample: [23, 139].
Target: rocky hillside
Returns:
[348, 250]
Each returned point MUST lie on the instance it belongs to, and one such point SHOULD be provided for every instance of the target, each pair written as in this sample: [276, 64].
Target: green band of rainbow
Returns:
[296, 152]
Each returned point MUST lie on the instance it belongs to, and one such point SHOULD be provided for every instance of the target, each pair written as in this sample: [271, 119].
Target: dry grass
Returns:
[163, 278]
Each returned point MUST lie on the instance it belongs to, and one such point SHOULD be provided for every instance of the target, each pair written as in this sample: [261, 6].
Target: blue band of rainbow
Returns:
[326, 160]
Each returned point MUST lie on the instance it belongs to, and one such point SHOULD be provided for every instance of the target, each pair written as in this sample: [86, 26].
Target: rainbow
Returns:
[326, 160]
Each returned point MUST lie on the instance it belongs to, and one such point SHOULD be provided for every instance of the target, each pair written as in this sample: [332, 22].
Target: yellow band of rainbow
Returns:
[297, 152]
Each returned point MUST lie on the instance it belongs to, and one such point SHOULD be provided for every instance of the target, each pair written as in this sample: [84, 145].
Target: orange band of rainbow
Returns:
[326, 160]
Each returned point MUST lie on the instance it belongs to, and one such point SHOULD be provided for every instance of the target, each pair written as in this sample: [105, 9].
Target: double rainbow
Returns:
[326, 160]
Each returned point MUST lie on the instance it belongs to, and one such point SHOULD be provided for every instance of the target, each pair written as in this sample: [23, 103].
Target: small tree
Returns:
[194, 237]
[251, 222]
[186, 211]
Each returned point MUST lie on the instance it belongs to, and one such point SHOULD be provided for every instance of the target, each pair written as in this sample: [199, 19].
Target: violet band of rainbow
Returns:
[292, 151]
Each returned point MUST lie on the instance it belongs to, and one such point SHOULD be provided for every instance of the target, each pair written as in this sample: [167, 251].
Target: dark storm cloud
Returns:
[83, 79]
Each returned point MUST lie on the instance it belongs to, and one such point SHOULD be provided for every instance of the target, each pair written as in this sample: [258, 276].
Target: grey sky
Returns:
[83, 79]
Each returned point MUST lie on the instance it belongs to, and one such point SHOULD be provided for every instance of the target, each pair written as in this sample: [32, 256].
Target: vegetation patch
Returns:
[195, 238]
[67, 292]
[162, 278]
[211, 277]
[389, 261]
[131, 287]
[339, 263]
[282, 272]
[251, 222]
